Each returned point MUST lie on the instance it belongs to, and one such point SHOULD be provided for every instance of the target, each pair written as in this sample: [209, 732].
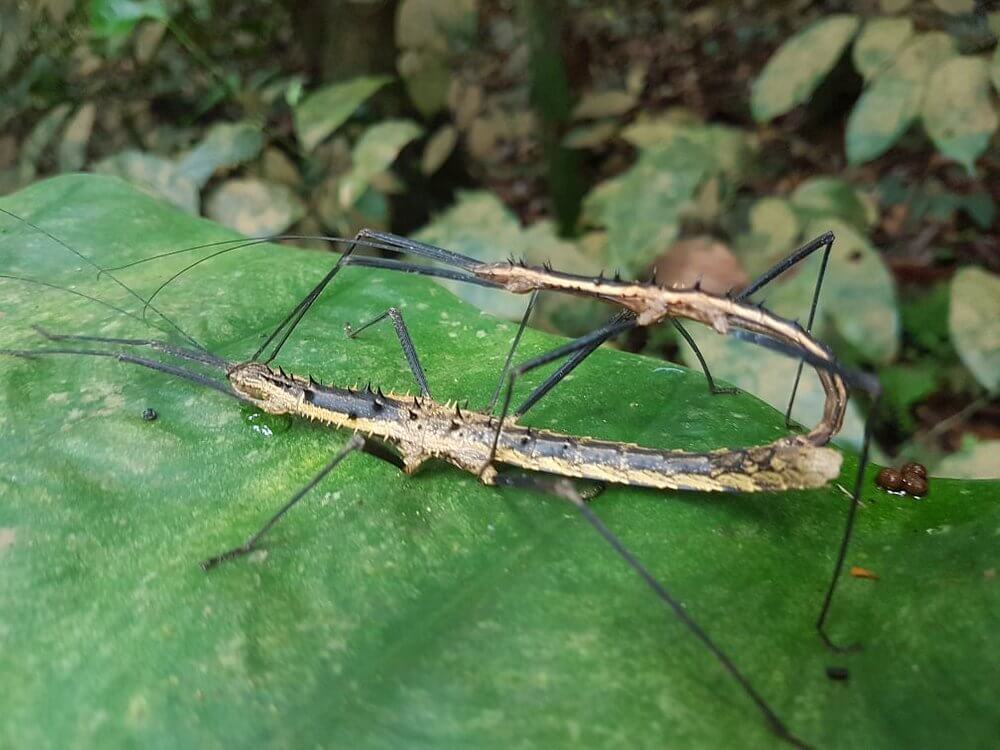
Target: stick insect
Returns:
[642, 304]
[420, 428]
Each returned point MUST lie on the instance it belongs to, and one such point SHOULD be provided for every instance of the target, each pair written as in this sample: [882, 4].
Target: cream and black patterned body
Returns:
[422, 429]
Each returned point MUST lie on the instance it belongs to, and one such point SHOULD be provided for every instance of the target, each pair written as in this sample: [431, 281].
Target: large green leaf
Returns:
[800, 65]
[423, 611]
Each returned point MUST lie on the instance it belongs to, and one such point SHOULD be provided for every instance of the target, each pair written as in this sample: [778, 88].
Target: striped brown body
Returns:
[422, 429]
[652, 303]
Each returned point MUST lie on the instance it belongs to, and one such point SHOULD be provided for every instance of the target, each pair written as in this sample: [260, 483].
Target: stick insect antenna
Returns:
[111, 276]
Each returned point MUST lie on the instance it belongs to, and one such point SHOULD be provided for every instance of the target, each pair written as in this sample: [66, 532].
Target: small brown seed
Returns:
[889, 479]
[914, 485]
[914, 468]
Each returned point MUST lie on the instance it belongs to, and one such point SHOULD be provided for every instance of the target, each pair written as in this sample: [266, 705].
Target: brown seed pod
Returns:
[915, 485]
[889, 479]
[914, 468]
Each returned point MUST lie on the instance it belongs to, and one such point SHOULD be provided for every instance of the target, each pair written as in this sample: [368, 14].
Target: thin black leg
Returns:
[838, 567]
[192, 355]
[565, 490]
[824, 241]
[712, 387]
[571, 364]
[355, 443]
[601, 334]
[513, 347]
[403, 334]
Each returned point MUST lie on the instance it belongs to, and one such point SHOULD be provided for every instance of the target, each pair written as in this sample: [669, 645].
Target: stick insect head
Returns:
[271, 390]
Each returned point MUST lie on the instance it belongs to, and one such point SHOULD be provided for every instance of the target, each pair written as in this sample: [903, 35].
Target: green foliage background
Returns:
[423, 611]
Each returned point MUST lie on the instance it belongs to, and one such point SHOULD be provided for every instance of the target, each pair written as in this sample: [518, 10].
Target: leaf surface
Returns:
[422, 611]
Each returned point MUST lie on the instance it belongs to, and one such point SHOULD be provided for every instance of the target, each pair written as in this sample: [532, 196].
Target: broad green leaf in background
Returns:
[481, 226]
[227, 145]
[73, 146]
[641, 208]
[858, 294]
[423, 611]
[995, 69]
[323, 111]
[956, 7]
[438, 148]
[39, 139]
[114, 19]
[374, 152]
[154, 174]
[878, 43]
[891, 103]
[800, 65]
[723, 149]
[958, 110]
[831, 196]
[974, 322]
[254, 207]
[978, 460]
[774, 230]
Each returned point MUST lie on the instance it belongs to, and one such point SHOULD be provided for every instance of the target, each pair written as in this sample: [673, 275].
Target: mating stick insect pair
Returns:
[419, 428]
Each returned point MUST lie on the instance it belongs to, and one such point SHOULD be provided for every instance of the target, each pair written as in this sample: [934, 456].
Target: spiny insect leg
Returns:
[405, 341]
[355, 443]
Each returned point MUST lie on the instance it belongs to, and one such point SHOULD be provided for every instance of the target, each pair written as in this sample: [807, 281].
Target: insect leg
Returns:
[571, 364]
[192, 355]
[355, 443]
[566, 491]
[403, 334]
[824, 241]
[712, 387]
[601, 334]
[513, 347]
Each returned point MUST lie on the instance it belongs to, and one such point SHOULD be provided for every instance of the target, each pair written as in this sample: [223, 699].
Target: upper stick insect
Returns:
[644, 304]
[420, 428]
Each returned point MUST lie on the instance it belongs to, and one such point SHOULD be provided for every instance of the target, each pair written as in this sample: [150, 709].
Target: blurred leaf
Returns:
[15, 31]
[598, 104]
[73, 147]
[481, 226]
[891, 103]
[375, 150]
[974, 320]
[39, 139]
[800, 65]
[894, 6]
[114, 19]
[427, 76]
[995, 69]
[774, 229]
[977, 459]
[958, 112]
[903, 387]
[148, 39]
[591, 135]
[320, 113]
[155, 175]
[701, 260]
[955, 7]
[641, 208]
[858, 296]
[435, 25]
[981, 207]
[227, 145]
[722, 149]
[254, 207]
[439, 147]
[831, 196]
[878, 43]
[924, 319]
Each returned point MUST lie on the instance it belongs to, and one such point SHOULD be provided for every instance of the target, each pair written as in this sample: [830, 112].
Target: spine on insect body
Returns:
[422, 429]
